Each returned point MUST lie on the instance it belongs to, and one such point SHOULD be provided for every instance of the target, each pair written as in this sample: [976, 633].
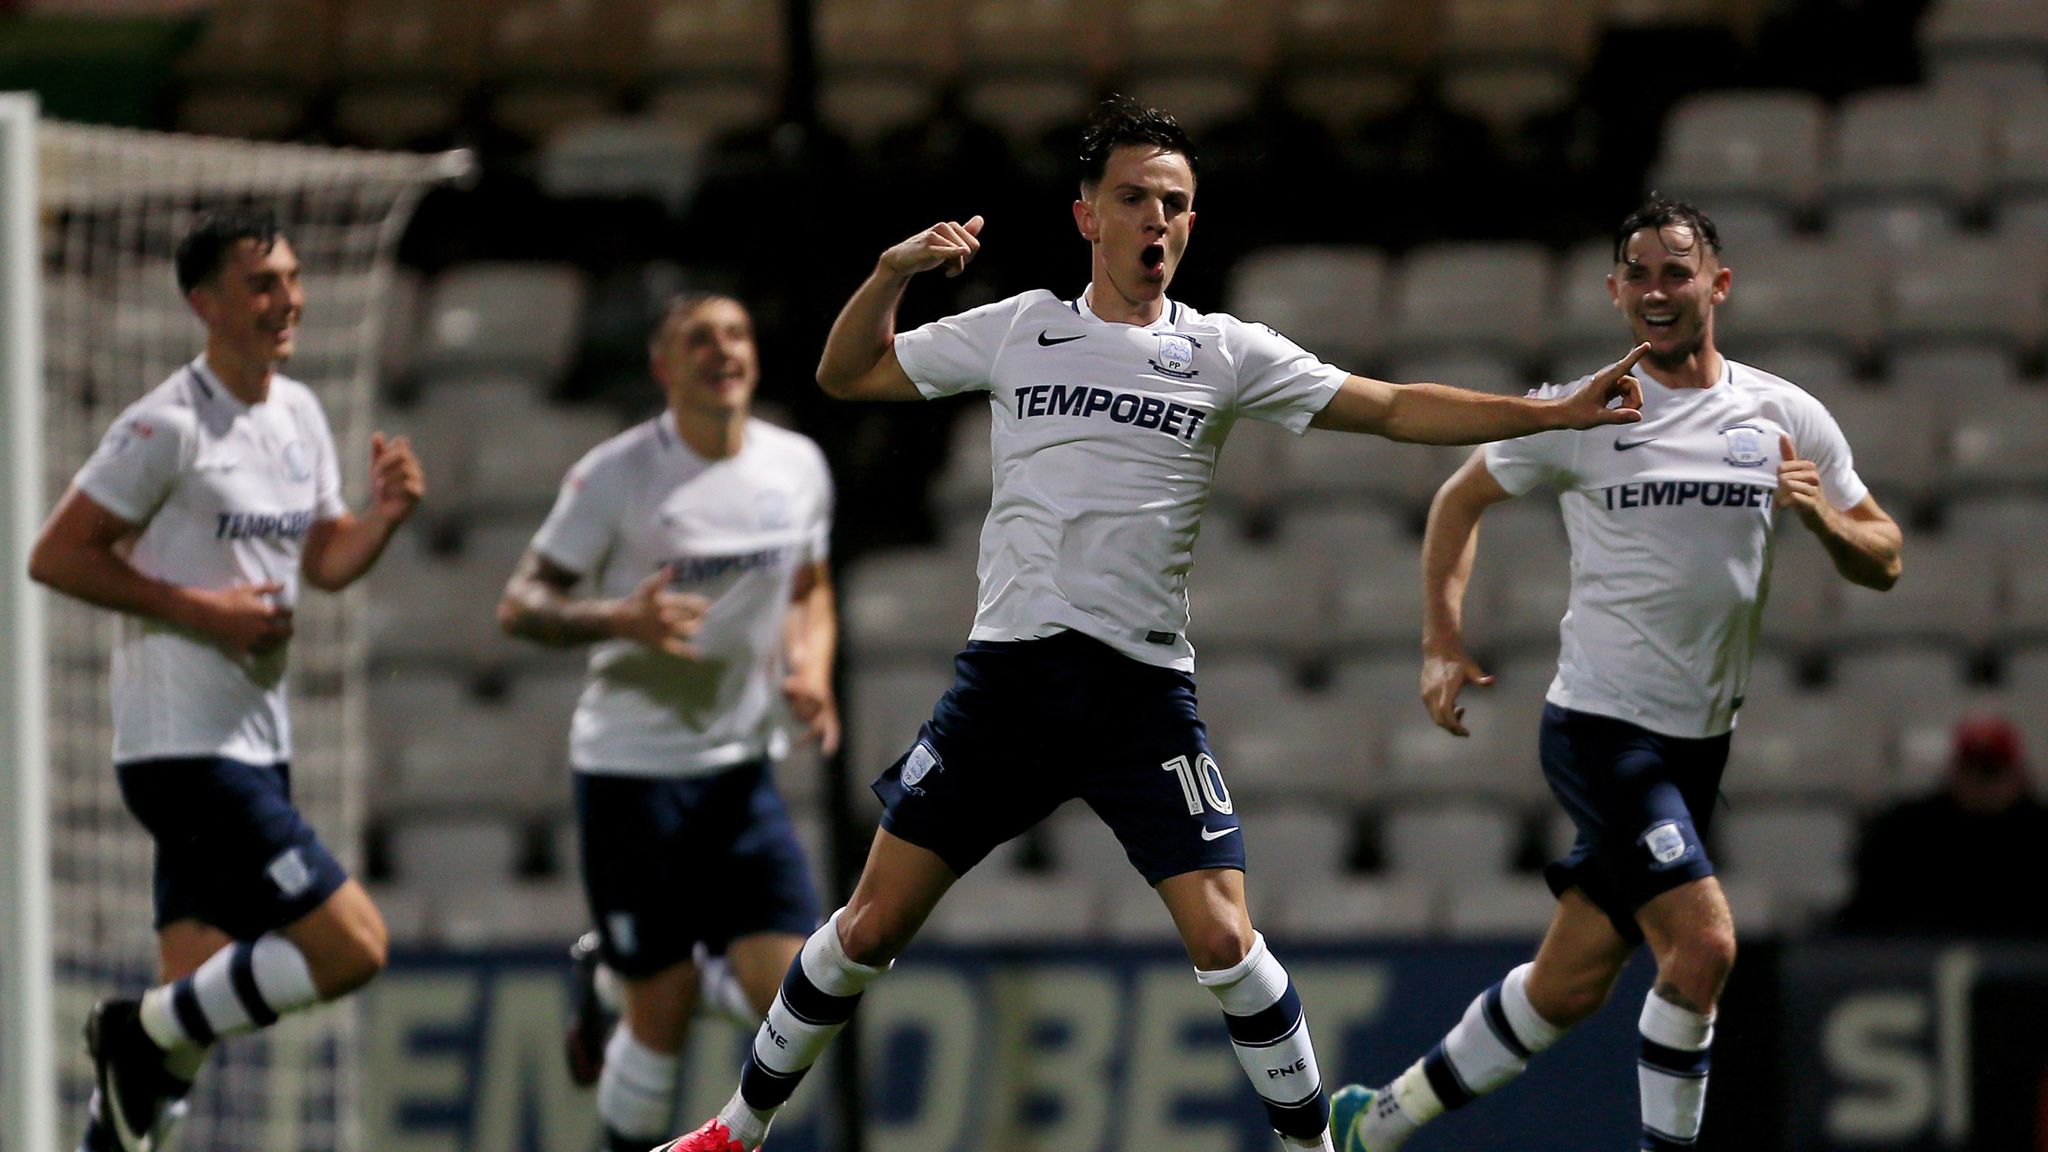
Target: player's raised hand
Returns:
[1612, 396]
[1798, 483]
[397, 483]
[810, 701]
[947, 244]
[657, 618]
[242, 617]
[1444, 675]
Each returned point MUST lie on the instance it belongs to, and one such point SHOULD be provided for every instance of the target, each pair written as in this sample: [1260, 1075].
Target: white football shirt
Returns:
[223, 493]
[1105, 441]
[737, 531]
[1671, 538]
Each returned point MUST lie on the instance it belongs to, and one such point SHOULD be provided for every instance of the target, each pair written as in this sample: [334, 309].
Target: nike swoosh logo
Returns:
[1045, 341]
[1625, 445]
[1216, 833]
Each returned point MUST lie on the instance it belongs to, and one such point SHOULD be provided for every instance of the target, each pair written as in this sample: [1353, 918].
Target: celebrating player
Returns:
[705, 531]
[1671, 531]
[224, 480]
[1077, 681]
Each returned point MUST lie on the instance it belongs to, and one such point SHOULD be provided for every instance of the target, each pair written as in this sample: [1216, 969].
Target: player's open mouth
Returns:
[1660, 322]
[1153, 257]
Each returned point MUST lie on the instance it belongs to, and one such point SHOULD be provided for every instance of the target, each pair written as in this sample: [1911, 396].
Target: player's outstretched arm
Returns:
[76, 555]
[859, 362]
[1435, 414]
[339, 551]
[1449, 544]
[537, 606]
[1864, 541]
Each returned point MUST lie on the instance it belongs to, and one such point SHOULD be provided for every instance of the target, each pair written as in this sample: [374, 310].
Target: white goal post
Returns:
[90, 318]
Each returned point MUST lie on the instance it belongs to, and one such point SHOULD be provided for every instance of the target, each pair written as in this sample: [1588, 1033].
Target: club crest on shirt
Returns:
[1745, 446]
[772, 509]
[921, 762]
[1176, 356]
[295, 463]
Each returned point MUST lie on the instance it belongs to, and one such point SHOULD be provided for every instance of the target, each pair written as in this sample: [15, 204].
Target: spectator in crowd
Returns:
[1947, 863]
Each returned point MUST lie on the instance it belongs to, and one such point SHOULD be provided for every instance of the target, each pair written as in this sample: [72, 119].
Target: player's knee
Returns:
[868, 936]
[1700, 964]
[1218, 946]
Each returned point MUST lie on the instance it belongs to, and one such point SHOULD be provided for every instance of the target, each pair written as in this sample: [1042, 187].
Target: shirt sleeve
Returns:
[1279, 381]
[327, 501]
[137, 463]
[957, 354]
[1526, 462]
[1817, 437]
[580, 529]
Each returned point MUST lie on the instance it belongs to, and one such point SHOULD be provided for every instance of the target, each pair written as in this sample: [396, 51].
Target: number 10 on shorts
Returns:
[1199, 779]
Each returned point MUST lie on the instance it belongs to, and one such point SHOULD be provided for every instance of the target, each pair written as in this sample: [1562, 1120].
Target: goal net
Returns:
[112, 204]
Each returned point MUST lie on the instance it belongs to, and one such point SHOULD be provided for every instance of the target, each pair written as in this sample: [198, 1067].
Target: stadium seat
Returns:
[428, 608]
[1806, 293]
[1964, 291]
[1744, 148]
[965, 482]
[1343, 909]
[1329, 299]
[2020, 175]
[1507, 60]
[1463, 295]
[909, 602]
[1082, 845]
[889, 702]
[1807, 746]
[991, 907]
[1517, 907]
[1825, 372]
[1522, 577]
[1801, 852]
[1275, 740]
[1895, 438]
[1296, 841]
[614, 157]
[1805, 589]
[524, 452]
[1957, 376]
[1585, 326]
[442, 748]
[1497, 762]
[1247, 598]
[1475, 369]
[1457, 843]
[1322, 467]
[1911, 144]
[727, 46]
[2000, 442]
[499, 316]
[1131, 912]
[1067, 38]
[1947, 595]
[1024, 107]
[455, 854]
[1998, 46]
[548, 911]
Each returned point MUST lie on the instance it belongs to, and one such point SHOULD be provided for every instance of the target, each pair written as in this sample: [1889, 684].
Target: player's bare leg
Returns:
[1692, 934]
[1268, 1030]
[898, 889]
[1574, 972]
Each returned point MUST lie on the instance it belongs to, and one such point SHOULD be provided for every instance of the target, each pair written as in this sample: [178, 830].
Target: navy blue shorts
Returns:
[670, 863]
[231, 851]
[1031, 724]
[1641, 801]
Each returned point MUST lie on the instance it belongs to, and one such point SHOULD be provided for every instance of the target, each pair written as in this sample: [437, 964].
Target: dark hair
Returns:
[688, 301]
[205, 246]
[1661, 212]
[1119, 120]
